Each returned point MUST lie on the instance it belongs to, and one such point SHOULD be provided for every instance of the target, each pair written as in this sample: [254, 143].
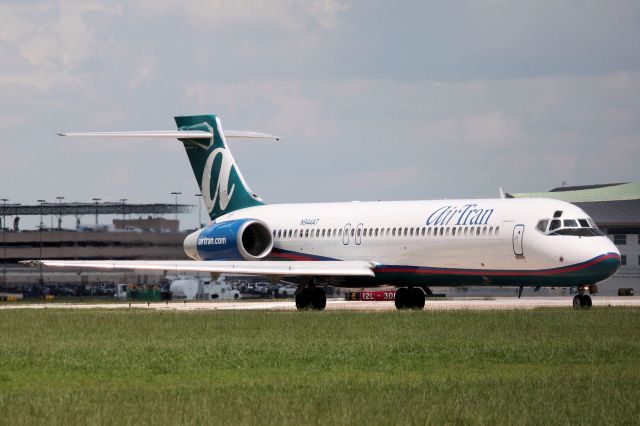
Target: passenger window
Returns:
[317, 233]
[376, 232]
[478, 230]
[471, 231]
[484, 231]
[555, 224]
[466, 231]
[340, 233]
[441, 232]
[570, 223]
[447, 232]
[411, 232]
[323, 232]
[542, 225]
[497, 229]
[490, 230]
[435, 231]
[352, 231]
[406, 231]
[453, 231]
[274, 233]
[393, 232]
[423, 231]
[428, 231]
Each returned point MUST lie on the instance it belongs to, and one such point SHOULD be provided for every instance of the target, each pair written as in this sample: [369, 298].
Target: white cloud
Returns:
[250, 15]
[55, 38]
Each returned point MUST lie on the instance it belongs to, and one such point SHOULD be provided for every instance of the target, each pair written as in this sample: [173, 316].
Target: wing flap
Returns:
[263, 268]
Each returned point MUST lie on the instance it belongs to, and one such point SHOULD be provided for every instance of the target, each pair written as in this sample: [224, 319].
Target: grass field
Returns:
[522, 367]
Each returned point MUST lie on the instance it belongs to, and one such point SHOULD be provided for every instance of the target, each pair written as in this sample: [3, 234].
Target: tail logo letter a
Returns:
[223, 194]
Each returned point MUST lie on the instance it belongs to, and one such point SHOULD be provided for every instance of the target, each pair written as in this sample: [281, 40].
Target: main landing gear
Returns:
[311, 298]
[410, 298]
[583, 300]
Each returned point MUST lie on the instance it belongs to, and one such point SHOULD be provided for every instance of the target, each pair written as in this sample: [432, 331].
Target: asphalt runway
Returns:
[497, 303]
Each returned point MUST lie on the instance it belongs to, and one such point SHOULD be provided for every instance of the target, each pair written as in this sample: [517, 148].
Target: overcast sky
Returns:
[375, 99]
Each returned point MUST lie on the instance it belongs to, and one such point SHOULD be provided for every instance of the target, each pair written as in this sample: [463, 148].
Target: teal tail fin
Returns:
[223, 187]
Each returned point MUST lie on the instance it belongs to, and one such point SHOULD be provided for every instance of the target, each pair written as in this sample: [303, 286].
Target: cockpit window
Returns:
[575, 227]
[542, 225]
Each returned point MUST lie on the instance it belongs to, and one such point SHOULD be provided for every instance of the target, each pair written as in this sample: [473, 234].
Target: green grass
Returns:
[137, 366]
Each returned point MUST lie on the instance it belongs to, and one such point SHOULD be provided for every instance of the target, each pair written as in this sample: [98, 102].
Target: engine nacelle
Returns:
[248, 239]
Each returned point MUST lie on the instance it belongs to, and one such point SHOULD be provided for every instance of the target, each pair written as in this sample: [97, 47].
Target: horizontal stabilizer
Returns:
[192, 134]
[178, 134]
[245, 134]
[262, 268]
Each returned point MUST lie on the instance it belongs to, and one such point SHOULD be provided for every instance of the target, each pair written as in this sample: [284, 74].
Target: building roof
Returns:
[592, 193]
[623, 213]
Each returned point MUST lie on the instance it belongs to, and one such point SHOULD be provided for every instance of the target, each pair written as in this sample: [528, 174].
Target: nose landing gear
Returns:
[582, 300]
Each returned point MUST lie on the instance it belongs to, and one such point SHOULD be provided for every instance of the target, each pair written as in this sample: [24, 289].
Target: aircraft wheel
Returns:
[303, 300]
[417, 297]
[577, 302]
[318, 299]
[403, 298]
[586, 302]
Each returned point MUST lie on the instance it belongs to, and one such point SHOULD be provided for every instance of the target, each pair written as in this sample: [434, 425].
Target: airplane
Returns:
[410, 245]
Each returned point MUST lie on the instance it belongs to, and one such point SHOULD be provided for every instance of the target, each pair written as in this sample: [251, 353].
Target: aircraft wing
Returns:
[263, 268]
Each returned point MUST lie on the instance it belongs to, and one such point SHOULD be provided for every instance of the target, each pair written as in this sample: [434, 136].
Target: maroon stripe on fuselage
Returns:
[483, 272]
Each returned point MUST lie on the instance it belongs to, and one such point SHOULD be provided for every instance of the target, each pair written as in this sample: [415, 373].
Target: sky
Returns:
[376, 100]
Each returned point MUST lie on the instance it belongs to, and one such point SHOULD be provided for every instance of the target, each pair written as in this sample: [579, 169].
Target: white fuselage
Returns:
[484, 241]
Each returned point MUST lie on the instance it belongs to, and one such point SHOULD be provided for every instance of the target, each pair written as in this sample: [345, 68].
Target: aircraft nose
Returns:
[611, 264]
[611, 259]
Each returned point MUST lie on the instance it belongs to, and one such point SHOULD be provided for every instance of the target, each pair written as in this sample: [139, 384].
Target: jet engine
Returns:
[241, 239]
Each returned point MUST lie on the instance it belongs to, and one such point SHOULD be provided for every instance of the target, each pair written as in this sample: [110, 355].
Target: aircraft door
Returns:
[358, 238]
[518, 234]
[345, 234]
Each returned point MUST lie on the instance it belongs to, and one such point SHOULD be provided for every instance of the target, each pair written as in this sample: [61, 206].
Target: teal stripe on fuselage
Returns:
[590, 272]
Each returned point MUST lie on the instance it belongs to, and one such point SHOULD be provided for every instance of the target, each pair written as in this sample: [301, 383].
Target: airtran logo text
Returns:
[469, 214]
[208, 241]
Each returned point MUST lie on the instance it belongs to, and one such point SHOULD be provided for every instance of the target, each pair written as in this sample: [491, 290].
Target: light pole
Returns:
[4, 244]
[97, 200]
[199, 196]
[176, 195]
[124, 223]
[41, 222]
[60, 212]
[41, 226]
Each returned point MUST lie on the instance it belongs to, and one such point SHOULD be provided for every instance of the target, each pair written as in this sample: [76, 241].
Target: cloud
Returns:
[247, 16]
[482, 130]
